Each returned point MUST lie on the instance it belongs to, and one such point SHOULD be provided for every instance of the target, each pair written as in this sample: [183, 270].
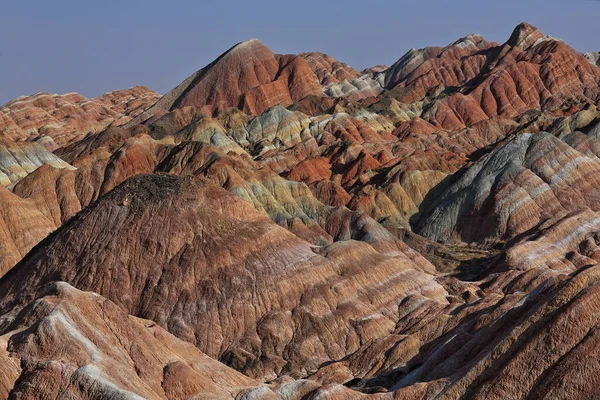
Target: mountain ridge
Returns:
[286, 227]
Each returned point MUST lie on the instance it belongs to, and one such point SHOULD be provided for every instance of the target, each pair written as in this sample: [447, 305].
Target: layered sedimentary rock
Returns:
[23, 223]
[566, 245]
[593, 58]
[531, 179]
[425, 230]
[56, 119]
[551, 331]
[355, 89]
[248, 76]
[352, 147]
[252, 78]
[22, 226]
[508, 80]
[205, 251]
[80, 345]
[19, 160]
[327, 69]
[454, 114]
[423, 67]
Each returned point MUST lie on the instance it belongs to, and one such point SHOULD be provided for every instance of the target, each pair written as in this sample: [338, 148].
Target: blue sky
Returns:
[92, 47]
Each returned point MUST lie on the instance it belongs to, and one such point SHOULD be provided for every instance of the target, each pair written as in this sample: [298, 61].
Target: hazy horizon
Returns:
[67, 46]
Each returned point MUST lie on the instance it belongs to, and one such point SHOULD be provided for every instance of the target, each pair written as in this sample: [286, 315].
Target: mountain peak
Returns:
[524, 36]
[247, 45]
[249, 42]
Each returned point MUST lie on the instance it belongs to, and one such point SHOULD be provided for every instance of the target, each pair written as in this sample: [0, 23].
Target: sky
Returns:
[92, 47]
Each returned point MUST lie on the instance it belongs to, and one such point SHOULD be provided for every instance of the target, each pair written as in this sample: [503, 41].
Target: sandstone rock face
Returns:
[593, 58]
[19, 160]
[23, 222]
[248, 76]
[22, 226]
[266, 292]
[355, 89]
[507, 80]
[252, 78]
[547, 332]
[57, 119]
[329, 70]
[530, 180]
[286, 227]
[80, 345]
[525, 36]
[423, 65]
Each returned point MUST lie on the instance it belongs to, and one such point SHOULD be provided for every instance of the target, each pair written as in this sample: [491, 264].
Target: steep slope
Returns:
[249, 76]
[483, 79]
[329, 70]
[22, 226]
[432, 66]
[593, 58]
[530, 180]
[184, 249]
[19, 160]
[541, 346]
[74, 344]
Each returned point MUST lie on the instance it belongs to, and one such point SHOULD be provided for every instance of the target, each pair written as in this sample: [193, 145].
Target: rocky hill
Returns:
[287, 227]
